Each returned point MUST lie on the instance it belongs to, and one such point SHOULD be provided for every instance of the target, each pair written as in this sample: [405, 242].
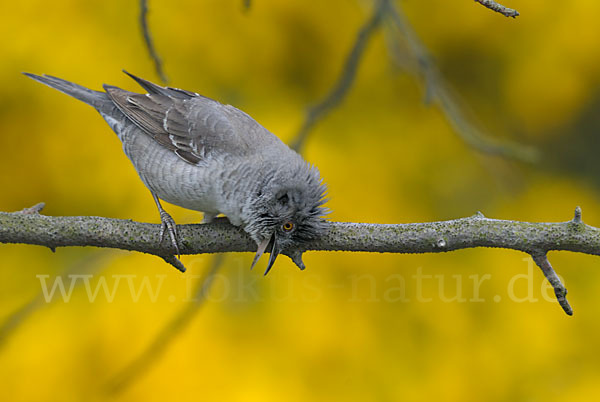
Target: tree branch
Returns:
[422, 64]
[499, 8]
[341, 87]
[149, 43]
[436, 89]
[535, 239]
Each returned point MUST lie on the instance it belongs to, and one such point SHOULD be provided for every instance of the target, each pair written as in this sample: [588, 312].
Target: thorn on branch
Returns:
[560, 291]
[499, 8]
[149, 43]
[36, 209]
[171, 259]
[577, 217]
[478, 215]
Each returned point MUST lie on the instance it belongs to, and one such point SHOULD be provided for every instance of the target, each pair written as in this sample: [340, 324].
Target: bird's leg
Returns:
[168, 225]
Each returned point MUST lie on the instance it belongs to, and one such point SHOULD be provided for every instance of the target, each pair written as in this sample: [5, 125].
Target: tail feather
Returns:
[97, 99]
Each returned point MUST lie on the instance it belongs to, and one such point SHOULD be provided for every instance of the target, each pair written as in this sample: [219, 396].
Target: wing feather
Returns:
[178, 124]
[190, 125]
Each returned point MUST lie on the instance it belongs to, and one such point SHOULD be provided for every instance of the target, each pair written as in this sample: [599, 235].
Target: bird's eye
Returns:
[288, 226]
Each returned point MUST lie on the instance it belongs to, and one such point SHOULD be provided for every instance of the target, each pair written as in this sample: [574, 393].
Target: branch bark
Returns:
[499, 8]
[535, 239]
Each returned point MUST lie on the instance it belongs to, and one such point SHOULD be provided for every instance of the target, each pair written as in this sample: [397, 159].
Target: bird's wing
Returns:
[189, 124]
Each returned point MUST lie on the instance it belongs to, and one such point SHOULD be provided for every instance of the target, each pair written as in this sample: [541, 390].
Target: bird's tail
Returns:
[97, 99]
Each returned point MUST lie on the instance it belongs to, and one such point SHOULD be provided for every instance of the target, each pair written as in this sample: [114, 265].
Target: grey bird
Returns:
[195, 152]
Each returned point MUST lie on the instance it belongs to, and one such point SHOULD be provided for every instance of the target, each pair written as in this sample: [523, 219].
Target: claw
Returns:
[167, 225]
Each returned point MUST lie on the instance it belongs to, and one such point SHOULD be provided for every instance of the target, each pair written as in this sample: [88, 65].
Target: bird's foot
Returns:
[169, 226]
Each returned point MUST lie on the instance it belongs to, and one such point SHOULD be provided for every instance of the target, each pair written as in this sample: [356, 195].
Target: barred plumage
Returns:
[197, 153]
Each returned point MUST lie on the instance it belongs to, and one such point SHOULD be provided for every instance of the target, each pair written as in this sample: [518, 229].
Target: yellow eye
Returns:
[288, 226]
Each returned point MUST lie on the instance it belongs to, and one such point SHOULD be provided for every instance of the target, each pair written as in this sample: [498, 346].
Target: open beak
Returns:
[261, 249]
[271, 244]
[274, 253]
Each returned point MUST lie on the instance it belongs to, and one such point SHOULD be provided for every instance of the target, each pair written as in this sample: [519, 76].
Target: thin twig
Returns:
[144, 361]
[499, 8]
[437, 90]
[149, 43]
[541, 259]
[341, 87]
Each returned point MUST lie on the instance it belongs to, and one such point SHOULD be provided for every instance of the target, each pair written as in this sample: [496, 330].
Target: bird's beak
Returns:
[271, 243]
[274, 253]
[261, 249]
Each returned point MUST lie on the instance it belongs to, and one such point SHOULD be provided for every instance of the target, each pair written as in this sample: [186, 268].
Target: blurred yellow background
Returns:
[352, 326]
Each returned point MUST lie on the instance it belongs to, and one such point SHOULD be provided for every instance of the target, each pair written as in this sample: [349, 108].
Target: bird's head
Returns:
[287, 212]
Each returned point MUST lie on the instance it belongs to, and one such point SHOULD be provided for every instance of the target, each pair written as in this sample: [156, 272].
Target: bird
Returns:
[195, 152]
